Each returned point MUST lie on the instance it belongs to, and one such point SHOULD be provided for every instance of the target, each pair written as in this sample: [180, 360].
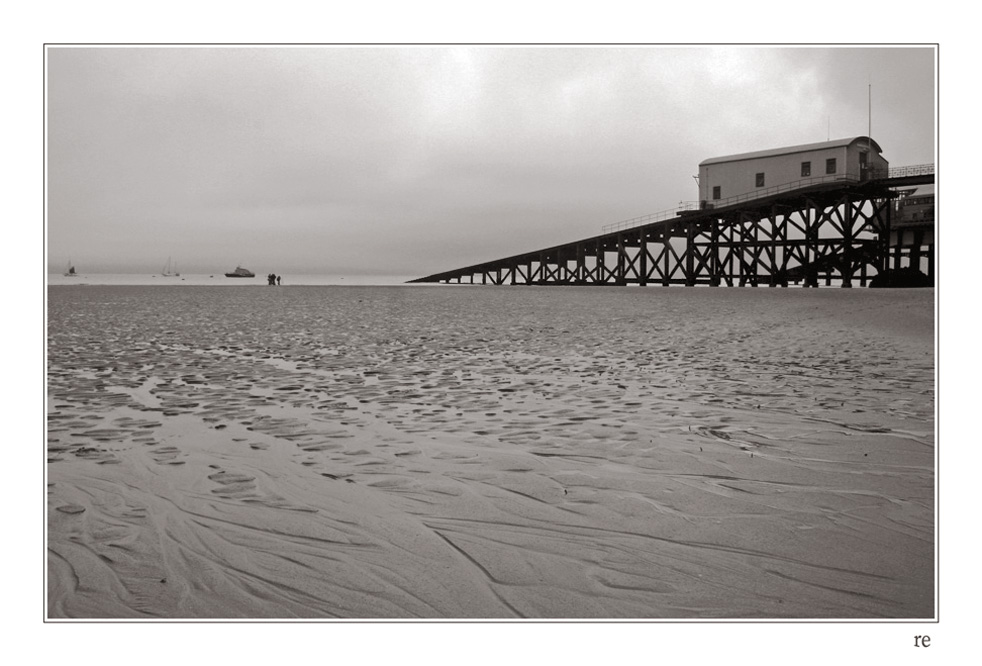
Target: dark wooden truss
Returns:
[838, 233]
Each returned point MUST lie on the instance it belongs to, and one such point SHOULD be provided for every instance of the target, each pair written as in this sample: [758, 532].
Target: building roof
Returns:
[788, 150]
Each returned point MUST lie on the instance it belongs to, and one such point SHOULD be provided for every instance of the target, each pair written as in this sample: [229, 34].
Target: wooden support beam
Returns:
[643, 257]
[690, 252]
[836, 235]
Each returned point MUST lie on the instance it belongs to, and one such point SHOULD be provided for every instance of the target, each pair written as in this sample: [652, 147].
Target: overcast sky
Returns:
[409, 161]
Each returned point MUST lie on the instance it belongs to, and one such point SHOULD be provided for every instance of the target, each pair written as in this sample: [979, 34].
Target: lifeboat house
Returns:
[735, 178]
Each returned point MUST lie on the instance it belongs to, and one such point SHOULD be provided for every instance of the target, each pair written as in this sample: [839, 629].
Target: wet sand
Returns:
[468, 452]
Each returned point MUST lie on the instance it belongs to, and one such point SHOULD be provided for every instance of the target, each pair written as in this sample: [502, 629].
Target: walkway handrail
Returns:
[905, 171]
[873, 174]
[653, 217]
[785, 187]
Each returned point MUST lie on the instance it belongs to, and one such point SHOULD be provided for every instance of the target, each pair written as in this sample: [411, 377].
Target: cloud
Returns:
[423, 158]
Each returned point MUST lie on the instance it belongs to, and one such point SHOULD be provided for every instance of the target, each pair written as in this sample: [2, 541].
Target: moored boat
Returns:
[240, 272]
[169, 270]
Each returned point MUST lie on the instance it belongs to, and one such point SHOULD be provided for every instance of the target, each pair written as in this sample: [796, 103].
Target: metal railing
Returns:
[653, 217]
[871, 174]
[905, 171]
[787, 187]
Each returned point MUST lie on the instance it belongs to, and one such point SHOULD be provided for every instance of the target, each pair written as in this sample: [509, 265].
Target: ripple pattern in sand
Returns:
[487, 453]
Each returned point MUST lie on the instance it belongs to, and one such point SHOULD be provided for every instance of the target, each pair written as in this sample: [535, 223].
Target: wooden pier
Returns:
[831, 232]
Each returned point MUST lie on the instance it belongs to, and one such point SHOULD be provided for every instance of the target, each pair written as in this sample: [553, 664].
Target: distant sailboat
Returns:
[169, 270]
[70, 270]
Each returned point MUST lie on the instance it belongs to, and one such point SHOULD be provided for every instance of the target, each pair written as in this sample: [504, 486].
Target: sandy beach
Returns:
[485, 453]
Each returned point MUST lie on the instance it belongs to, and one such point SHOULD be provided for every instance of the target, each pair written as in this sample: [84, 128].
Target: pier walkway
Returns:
[832, 230]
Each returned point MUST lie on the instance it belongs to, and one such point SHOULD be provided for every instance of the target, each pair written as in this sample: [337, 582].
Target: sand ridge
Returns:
[318, 452]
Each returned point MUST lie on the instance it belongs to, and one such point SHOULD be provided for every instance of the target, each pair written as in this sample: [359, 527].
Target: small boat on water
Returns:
[70, 271]
[241, 273]
[170, 270]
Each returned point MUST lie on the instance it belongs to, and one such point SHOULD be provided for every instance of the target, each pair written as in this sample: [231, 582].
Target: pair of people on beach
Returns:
[273, 279]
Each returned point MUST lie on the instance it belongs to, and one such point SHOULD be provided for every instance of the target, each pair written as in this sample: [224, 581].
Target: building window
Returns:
[716, 192]
[806, 169]
[760, 180]
[830, 165]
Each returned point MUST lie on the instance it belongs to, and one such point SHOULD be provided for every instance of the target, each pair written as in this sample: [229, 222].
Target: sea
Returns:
[219, 279]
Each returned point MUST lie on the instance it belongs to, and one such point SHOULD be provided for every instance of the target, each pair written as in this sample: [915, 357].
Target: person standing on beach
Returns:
[278, 278]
